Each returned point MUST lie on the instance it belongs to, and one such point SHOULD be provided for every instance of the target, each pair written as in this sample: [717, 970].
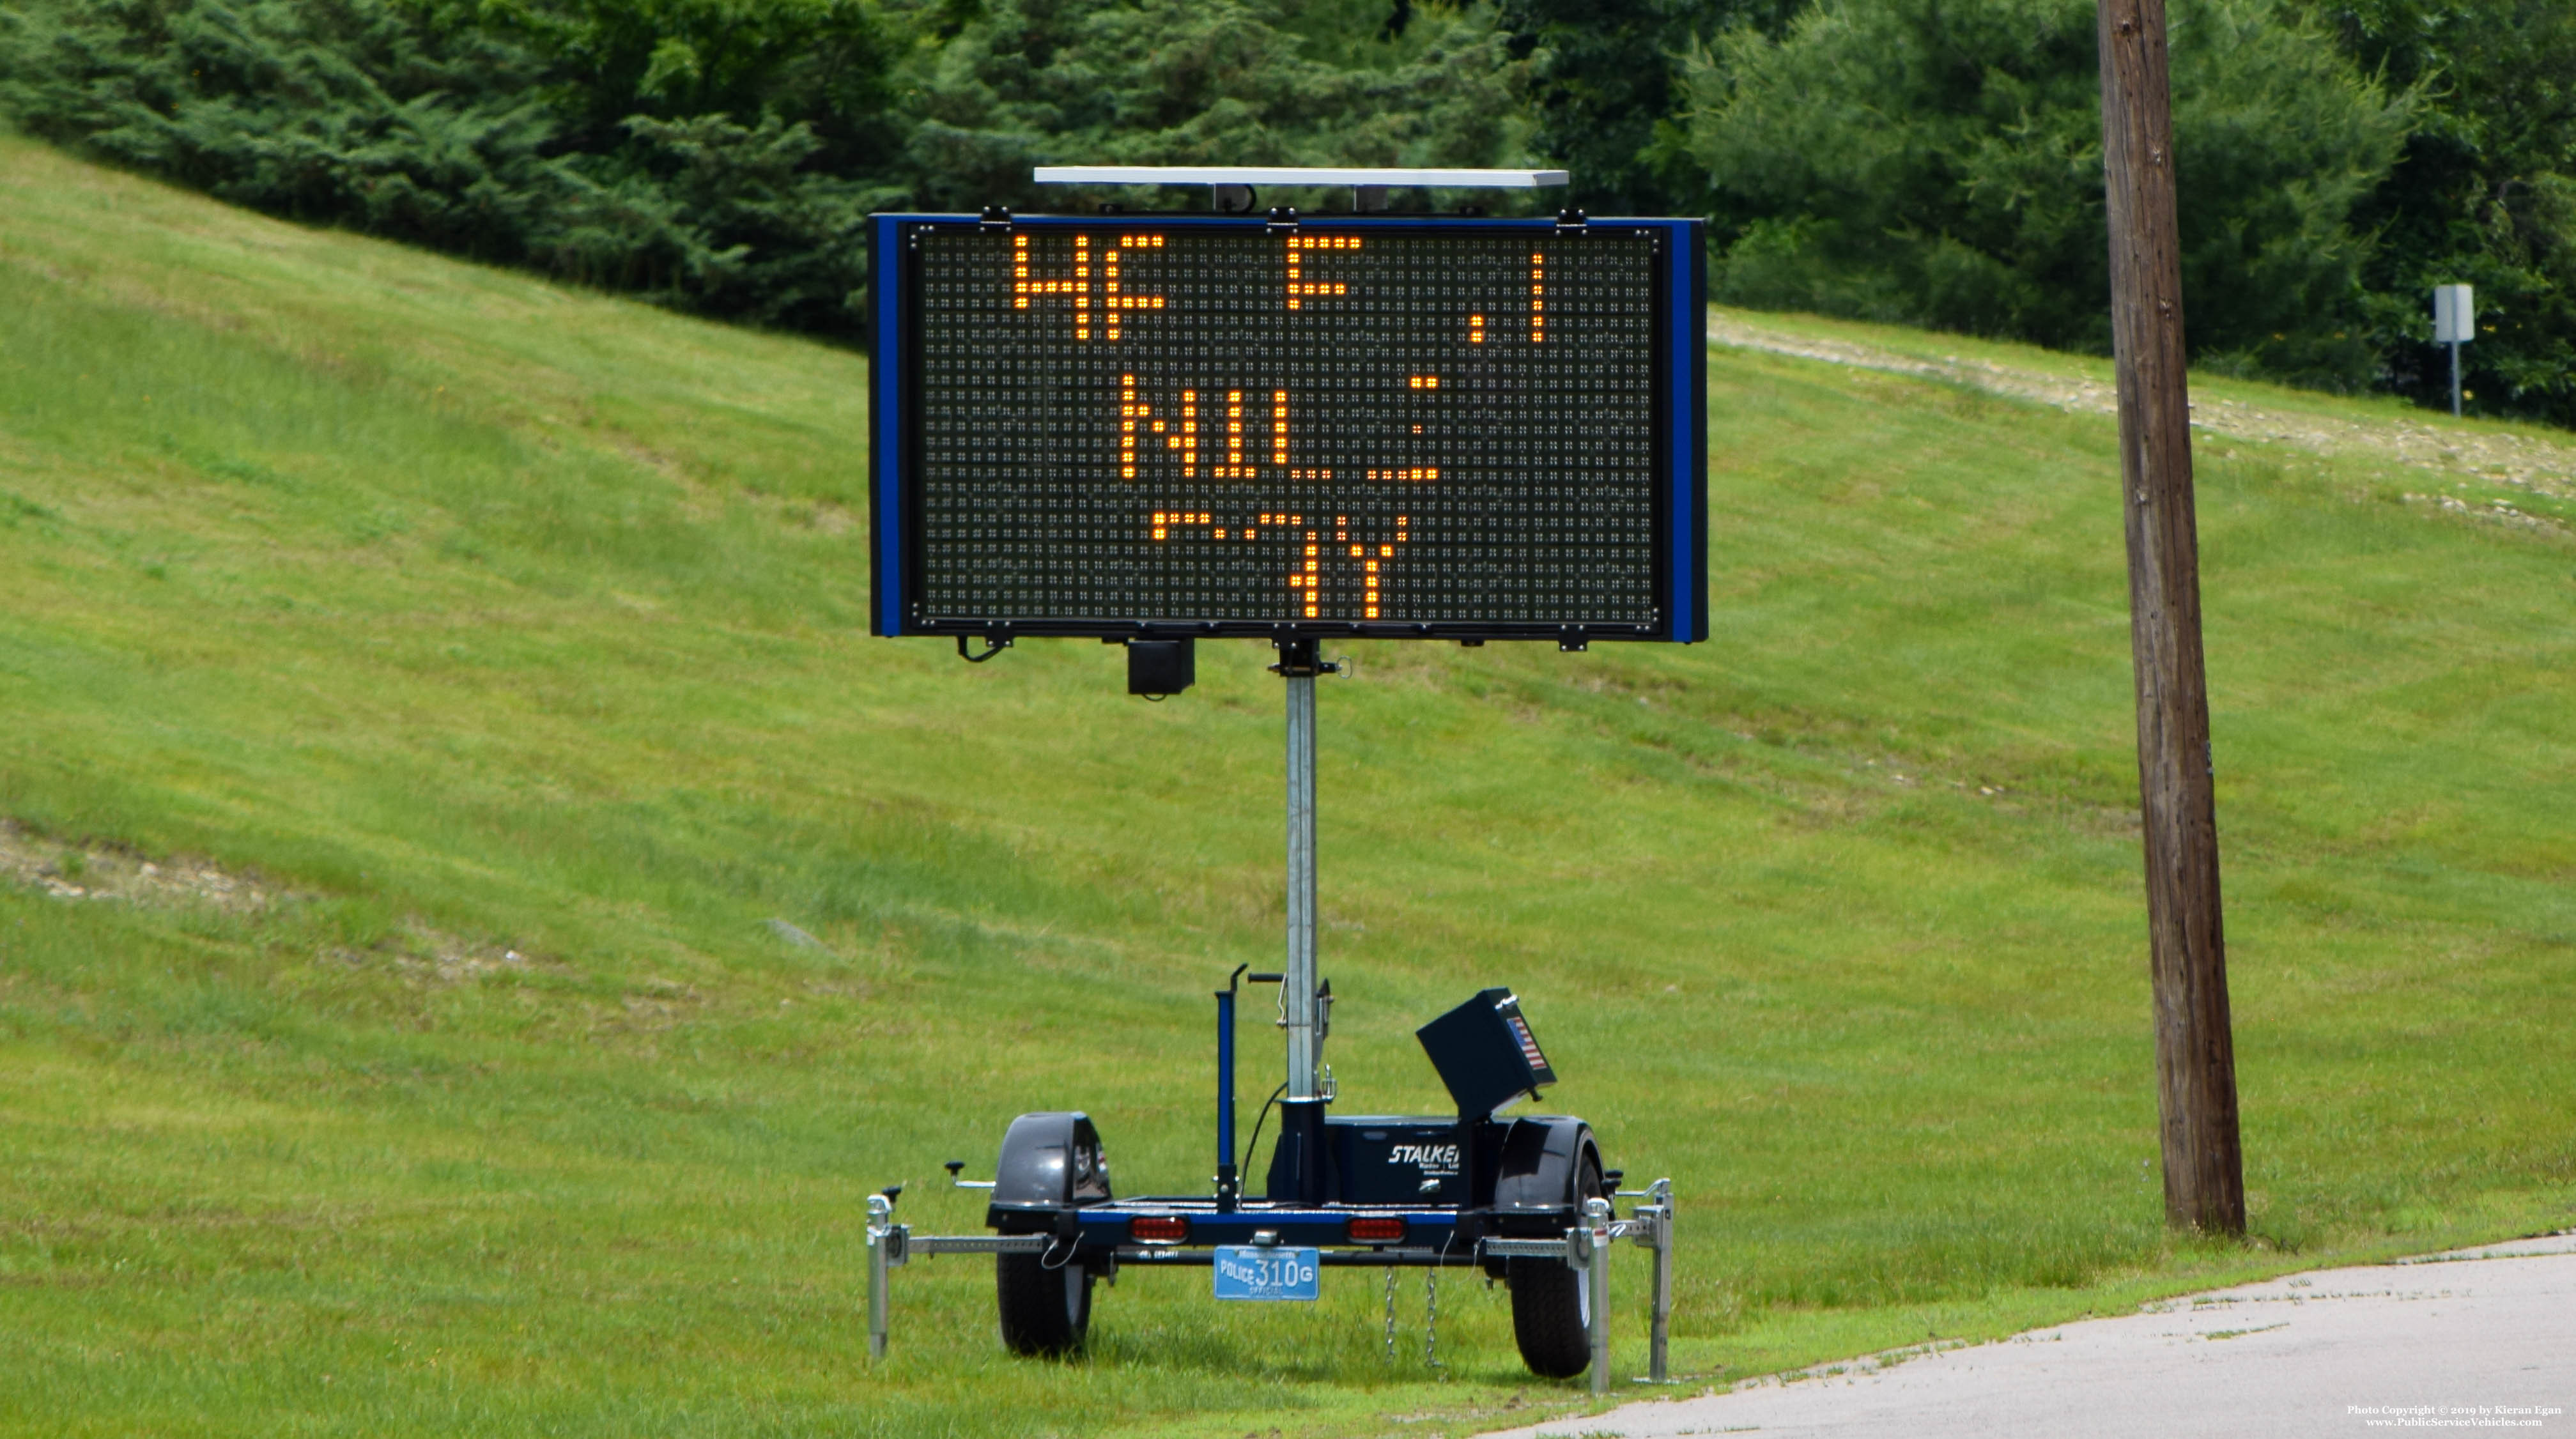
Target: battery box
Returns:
[1384, 1159]
[1411, 1159]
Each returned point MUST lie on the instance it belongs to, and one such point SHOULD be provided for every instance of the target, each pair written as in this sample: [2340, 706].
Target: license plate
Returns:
[1246, 1271]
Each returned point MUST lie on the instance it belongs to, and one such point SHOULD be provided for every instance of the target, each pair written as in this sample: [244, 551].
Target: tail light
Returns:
[1377, 1229]
[1158, 1228]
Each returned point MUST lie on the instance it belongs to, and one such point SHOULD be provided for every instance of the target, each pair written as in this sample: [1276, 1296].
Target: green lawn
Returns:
[471, 617]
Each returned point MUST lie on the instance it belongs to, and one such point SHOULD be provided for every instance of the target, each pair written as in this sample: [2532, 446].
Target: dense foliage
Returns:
[478, 138]
[343, 110]
[720, 155]
[1930, 161]
[1938, 162]
[1031, 82]
[2484, 192]
[1604, 86]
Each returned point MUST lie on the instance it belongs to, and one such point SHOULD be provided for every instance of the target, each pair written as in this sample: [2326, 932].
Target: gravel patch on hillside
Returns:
[74, 872]
[101, 874]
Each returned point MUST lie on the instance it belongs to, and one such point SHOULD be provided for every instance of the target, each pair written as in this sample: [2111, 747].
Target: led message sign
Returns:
[1201, 425]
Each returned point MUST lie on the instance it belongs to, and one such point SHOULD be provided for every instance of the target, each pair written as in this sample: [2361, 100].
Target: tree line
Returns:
[1926, 162]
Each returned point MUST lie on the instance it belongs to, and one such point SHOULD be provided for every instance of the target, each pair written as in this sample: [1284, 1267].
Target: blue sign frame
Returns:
[894, 447]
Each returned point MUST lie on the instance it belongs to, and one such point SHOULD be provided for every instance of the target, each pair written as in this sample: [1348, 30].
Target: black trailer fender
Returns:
[1050, 1164]
[1546, 1158]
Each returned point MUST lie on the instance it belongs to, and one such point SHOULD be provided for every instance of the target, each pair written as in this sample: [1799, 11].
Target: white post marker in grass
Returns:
[2455, 323]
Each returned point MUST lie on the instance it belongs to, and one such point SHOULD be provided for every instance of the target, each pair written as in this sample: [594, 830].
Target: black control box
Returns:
[1156, 668]
[1389, 1159]
[1485, 1053]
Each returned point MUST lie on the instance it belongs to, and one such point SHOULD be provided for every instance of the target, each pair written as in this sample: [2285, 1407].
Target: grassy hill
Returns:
[420, 687]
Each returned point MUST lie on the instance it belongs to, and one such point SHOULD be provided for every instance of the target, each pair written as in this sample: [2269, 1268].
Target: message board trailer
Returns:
[1154, 429]
[1180, 426]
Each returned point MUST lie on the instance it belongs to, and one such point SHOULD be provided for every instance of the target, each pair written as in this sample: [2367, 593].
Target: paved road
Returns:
[2410, 1347]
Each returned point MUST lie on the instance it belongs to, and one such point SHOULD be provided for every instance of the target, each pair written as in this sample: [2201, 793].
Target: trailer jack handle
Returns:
[1229, 1179]
[1229, 1186]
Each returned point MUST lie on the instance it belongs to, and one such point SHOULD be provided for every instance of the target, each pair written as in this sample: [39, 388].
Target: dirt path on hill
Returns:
[2529, 462]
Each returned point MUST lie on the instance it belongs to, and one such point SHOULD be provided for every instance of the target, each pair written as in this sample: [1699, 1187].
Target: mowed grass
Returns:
[473, 616]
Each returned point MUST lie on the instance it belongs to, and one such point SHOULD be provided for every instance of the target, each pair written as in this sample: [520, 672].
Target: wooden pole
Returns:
[2195, 1051]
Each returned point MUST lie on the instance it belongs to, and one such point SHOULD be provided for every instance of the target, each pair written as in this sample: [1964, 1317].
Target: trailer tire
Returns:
[1044, 1310]
[1551, 1303]
[1551, 1317]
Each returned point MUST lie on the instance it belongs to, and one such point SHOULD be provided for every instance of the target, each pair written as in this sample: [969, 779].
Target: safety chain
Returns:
[1390, 1315]
[1431, 1328]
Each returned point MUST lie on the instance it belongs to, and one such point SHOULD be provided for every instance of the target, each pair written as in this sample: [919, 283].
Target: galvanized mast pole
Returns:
[1297, 1165]
[2187, 947]
[1298, 993]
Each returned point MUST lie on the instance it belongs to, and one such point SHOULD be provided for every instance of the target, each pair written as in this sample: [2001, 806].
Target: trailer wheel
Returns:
[1551, 1317]
[1044, 1310]
[1551, 1304]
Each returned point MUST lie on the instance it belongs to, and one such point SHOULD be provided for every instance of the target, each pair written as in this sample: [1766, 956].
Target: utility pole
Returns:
[2195, 1047]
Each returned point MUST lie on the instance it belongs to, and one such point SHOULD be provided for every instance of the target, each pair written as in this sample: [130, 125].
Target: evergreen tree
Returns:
[1605, 83]
[1030, 82]
[2483, 193]
[1938, 162]
[480, 133]
[339, 111]
[719, 155]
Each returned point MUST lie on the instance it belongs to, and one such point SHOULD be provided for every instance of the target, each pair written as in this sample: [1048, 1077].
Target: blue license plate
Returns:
[1246, 1271]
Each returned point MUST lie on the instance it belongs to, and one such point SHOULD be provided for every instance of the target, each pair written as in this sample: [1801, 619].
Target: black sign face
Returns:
[1199, 426]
